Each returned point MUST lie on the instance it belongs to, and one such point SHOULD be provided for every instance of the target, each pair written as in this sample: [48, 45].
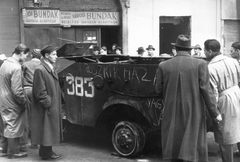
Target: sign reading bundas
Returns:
[69, 18]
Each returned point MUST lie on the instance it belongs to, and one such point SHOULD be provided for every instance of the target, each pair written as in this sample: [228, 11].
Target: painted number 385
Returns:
[80, 86]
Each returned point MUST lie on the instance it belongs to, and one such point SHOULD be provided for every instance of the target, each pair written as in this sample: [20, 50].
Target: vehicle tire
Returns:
[128, 138]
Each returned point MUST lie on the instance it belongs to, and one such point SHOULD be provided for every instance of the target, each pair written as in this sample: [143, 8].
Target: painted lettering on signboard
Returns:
[69, 18]
[89, 18]
[38, 16]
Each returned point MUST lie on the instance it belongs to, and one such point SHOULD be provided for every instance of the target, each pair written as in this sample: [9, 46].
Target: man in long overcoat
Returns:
[183, 82]
[46, 121]
[13, 102]
[224, 78]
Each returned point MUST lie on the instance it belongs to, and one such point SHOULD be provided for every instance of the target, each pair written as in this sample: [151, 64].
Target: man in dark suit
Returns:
[183, 83]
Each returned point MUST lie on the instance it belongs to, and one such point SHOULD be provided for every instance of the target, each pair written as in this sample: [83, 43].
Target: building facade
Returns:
[128, 23]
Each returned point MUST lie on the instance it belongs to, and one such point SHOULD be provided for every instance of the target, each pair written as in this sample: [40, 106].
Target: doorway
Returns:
[170, 28]
[231, 34]
[110, 36]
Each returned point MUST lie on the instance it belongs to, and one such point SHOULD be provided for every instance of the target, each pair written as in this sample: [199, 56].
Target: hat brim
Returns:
[54, 49]
[150, 48]
[140, 50]
[174, 44]
[198, 48]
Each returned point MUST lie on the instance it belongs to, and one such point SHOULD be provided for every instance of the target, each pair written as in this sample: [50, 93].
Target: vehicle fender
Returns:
[151, 115]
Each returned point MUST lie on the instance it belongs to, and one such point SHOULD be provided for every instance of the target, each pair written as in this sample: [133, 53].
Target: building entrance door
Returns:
[170, 28]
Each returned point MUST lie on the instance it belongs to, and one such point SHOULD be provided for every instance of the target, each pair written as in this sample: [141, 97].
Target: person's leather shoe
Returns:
[33, 146]
[53, 157]
[23, 148]
[18, 155]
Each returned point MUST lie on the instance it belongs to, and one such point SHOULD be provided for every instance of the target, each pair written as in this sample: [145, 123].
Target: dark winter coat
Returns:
[183, 81]
[46, 120]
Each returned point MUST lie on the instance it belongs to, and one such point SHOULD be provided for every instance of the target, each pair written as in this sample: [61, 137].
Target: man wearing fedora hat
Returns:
[46, 114]
[28, 69]
[150, 50]
[183, 84]
[140, 51]
[197, 51]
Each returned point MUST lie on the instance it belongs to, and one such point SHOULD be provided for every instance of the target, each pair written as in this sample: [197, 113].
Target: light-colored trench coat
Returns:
[46, 120]
[12, 98]
[224, 78]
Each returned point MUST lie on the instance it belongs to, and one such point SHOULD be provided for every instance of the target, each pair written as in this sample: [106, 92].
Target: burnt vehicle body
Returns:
[115, 92]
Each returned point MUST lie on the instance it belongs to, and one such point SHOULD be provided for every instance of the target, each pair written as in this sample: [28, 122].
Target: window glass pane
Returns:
[89, 35]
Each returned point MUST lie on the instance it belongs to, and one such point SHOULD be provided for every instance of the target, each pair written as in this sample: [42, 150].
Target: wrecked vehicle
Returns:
[112, 91]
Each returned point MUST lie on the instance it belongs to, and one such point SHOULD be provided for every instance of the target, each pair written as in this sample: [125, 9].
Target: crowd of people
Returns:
[150, 52]
[96, 50]
[30, 99]
[191, 87]
[115, 49]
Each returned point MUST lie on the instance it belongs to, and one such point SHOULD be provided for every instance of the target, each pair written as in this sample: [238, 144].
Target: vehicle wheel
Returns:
[128, 138]
[142, 138]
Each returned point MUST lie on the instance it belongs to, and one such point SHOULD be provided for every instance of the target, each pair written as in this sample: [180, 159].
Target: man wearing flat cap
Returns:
[46, 115]
[13, 103]
[183, 84]
[28, 69]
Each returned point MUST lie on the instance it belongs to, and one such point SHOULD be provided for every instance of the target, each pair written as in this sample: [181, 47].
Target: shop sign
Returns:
[69, 18]
[41, 16]
[89, 18]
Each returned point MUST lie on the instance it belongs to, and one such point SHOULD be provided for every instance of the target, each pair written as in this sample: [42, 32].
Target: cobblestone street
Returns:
[90, 146]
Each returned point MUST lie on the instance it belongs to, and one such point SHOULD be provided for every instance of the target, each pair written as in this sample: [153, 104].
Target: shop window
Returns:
[89, 36]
